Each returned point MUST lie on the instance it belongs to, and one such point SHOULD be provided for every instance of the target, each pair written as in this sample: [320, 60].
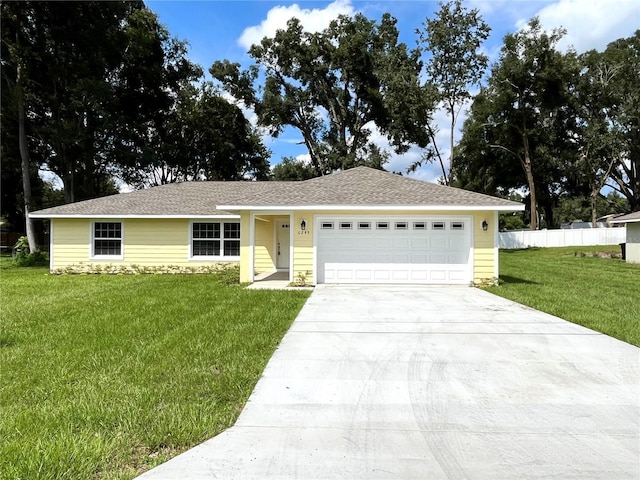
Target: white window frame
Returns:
[92, 247]
[210, 258]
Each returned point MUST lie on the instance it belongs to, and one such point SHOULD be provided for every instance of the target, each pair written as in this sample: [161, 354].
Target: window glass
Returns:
[345, 225]
[215, 239]
[382, 225]
[232, 230]
[419, 225]
[107, 238]
[401, 225]
[364, 225]
[437, 226]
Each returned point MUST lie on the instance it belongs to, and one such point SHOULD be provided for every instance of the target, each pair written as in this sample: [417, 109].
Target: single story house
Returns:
[355, 226]
[632, 224]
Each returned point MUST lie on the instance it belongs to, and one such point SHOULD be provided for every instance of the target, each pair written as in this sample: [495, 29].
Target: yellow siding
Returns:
[71, 242]
[264, 251]
[157, 242]
[246, 269]
[484, 247]
[146, 242]
[303, 246]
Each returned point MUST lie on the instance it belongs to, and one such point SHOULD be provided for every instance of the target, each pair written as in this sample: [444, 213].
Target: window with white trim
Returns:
[107, 239]
[457, 225]
[402, 225]
[364, 225]
[419, 225]
[345, 225]
[327, 225]
[437, 226]
[215, 239]
[382, 225]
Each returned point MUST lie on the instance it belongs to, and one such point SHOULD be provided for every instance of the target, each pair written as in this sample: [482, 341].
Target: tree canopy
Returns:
[558, 125]
[100, 92]
[334, 86]
[97, 91]
[455, 64]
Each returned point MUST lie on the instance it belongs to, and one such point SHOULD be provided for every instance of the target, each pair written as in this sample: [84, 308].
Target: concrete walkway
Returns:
[382, 382]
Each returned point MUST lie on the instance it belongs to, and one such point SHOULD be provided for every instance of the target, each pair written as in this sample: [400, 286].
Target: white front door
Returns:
[283, 242]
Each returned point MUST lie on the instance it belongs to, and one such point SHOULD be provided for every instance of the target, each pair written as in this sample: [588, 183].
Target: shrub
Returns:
[25, 258]
[227, 273]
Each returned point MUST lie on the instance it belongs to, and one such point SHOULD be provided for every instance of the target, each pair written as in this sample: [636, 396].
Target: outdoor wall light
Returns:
[303, 225]
[485, 225]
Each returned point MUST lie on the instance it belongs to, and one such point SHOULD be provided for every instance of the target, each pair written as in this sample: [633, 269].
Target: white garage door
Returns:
[426, 250]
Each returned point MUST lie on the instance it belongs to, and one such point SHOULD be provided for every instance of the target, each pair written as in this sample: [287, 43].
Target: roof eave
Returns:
[631, 220]
[501, 208]
[134, 216]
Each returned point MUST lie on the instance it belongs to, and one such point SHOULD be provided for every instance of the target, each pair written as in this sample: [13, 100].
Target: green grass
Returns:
[103, 377]
[574, 283]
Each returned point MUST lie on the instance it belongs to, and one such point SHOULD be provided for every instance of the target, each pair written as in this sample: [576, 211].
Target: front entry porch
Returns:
[273, 281]
[271, 246]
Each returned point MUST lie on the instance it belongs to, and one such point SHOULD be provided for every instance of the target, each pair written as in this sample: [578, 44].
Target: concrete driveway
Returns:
[383, 382]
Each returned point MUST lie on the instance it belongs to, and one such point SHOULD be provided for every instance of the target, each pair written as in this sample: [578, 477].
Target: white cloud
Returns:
[590, 24]
[313, 20]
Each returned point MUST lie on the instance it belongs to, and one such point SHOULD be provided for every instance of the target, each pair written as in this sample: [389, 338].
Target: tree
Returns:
[453, 39]
[204, 137]
[526, 114]
[595, 142]
[92, 105]
[622, 60]
[333, 87]
[14, 83]
[291, 169]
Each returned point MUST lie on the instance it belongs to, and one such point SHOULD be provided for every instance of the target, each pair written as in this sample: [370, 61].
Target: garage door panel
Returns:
[381, 275]
[382, 243]
[400, 275]
[400, 243]
[419, 276]
[411, 255]
[437, 243]
[457, 243]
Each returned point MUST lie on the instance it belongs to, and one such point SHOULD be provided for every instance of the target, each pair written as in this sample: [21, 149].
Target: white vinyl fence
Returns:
[562, 238]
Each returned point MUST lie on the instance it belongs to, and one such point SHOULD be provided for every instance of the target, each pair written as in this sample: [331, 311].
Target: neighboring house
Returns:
[632, 223]
[356, 226]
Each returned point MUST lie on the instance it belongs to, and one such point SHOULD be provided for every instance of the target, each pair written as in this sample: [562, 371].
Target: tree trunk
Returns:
[531, 183]
[594, 214]
[432, 136]
[453, 125]
[26, 164]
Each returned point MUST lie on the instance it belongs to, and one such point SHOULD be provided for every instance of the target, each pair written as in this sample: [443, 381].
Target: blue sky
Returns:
[218, 30]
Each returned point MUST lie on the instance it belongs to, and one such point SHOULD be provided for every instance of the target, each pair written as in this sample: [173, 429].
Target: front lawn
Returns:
[578, 284]
[103, 377]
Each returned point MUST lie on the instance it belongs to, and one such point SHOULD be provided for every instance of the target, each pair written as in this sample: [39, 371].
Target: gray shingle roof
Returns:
[363, 186]
[360, 186]
[628, 218]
